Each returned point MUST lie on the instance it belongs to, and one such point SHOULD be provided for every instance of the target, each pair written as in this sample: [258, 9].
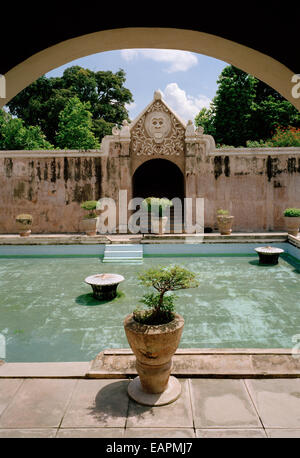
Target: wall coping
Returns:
[260, 152]
[51, 153]
[255, 151]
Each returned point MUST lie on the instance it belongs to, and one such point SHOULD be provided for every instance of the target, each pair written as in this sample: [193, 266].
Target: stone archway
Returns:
[251, 61]
[158, 178]
[161, 178]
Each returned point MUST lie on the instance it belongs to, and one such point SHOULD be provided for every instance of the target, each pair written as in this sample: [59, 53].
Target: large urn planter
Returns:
[89, 226]
[158, 224]
[157, 208]
[154, 336]
[24, 223]
[154, 347]
[89, 223]
[225, 222]
[292, 218]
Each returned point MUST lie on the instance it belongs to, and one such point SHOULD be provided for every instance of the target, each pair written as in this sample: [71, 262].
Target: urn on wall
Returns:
[157, 208]
[89, 223]
[225, 222]
[292, 218]
[24, 222]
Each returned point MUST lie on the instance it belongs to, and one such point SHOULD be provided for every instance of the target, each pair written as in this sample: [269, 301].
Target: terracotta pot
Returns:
[225, 224]
[158, 224]
[293, 224]
[154, 347]
[23, 229]
[89, 226]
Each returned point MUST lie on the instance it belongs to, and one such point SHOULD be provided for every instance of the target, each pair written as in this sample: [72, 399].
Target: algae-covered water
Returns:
[47, 312]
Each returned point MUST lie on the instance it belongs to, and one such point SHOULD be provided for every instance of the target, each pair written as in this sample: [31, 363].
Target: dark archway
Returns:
[160, 178]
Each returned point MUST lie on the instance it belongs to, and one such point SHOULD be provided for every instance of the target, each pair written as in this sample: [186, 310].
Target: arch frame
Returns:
[260, 65]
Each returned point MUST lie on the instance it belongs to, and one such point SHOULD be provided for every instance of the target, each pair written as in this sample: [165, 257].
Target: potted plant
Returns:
[292, 216]
[24, 222]
[89, 223]
[225, 222]
[157, 208]
[154, 335]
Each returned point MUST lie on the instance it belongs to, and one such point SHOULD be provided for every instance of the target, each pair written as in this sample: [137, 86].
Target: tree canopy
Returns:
[41, 102]
[15, 136]
[74, 127]
[244, 109]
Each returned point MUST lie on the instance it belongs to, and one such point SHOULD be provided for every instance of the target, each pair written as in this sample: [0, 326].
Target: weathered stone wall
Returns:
[255, 185]
[50, 188]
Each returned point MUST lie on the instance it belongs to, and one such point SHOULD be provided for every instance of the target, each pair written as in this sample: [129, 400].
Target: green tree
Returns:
[15, 135]
[245, 109]
[75, 126]
[42, 101]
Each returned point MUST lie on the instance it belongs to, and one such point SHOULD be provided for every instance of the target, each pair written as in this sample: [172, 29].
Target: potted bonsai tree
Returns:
[89, 223]
[157, 208]
[154, 335]
[225, 222]
[24, 222]
[292, 216]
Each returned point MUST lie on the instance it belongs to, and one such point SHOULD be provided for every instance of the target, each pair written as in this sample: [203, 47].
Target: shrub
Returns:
[221, 212]
[90, 206]
[163, 279]
[259, 144]
[24, 219]
[286, 136]
[292, 212]
[156, 205]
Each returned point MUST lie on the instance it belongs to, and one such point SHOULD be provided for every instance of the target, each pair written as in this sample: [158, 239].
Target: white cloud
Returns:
[186, 106]
[130, 106]
[179, 61]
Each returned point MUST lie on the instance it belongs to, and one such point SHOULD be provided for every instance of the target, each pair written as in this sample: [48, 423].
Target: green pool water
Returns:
[47, 312]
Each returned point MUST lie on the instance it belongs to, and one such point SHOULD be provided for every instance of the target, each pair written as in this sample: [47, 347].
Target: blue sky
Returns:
[187, 80]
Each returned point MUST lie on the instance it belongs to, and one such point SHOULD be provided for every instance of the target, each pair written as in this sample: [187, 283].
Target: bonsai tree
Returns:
[163, 279]
[292, 212]
[90, 206]
[24, 219]
[157, 205]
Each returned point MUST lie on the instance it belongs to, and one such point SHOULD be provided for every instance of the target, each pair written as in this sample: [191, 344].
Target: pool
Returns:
[47, 312]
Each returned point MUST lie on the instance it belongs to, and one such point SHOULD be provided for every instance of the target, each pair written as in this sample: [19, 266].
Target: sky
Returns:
[188, 81]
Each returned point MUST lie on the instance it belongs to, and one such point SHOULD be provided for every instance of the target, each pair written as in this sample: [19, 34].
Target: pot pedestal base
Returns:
[171, 393]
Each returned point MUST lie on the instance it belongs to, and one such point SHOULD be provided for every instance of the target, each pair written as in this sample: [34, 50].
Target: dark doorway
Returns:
[160, 178]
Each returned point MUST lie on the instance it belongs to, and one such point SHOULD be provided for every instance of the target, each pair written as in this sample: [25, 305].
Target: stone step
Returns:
[123, 253]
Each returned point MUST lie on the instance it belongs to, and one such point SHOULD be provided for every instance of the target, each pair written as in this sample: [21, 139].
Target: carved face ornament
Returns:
[158, 125]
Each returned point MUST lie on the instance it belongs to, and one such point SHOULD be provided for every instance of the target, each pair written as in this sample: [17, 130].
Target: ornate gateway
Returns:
[157, 132]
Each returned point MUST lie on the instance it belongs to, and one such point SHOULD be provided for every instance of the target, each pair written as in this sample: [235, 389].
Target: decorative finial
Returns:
[157, 95]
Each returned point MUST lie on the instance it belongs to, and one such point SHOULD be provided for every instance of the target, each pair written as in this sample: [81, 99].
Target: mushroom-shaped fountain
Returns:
[268, 254]
[104, 285]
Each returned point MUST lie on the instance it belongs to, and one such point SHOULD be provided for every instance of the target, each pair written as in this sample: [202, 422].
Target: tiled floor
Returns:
[101, 408]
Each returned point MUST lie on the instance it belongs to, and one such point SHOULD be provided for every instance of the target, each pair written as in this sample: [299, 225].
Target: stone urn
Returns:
[292, 225]
[154, 346]
[225, 223]
[158, 224]
[89, 226]
[24, 223]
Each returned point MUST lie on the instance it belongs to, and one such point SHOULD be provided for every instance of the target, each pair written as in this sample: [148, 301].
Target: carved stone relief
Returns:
[157, 132]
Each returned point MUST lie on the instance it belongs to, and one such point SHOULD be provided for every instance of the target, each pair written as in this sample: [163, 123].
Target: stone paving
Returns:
[207, 408]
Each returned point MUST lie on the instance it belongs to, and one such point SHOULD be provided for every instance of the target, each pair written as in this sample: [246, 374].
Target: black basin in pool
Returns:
[104, 285]
[268, 255]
